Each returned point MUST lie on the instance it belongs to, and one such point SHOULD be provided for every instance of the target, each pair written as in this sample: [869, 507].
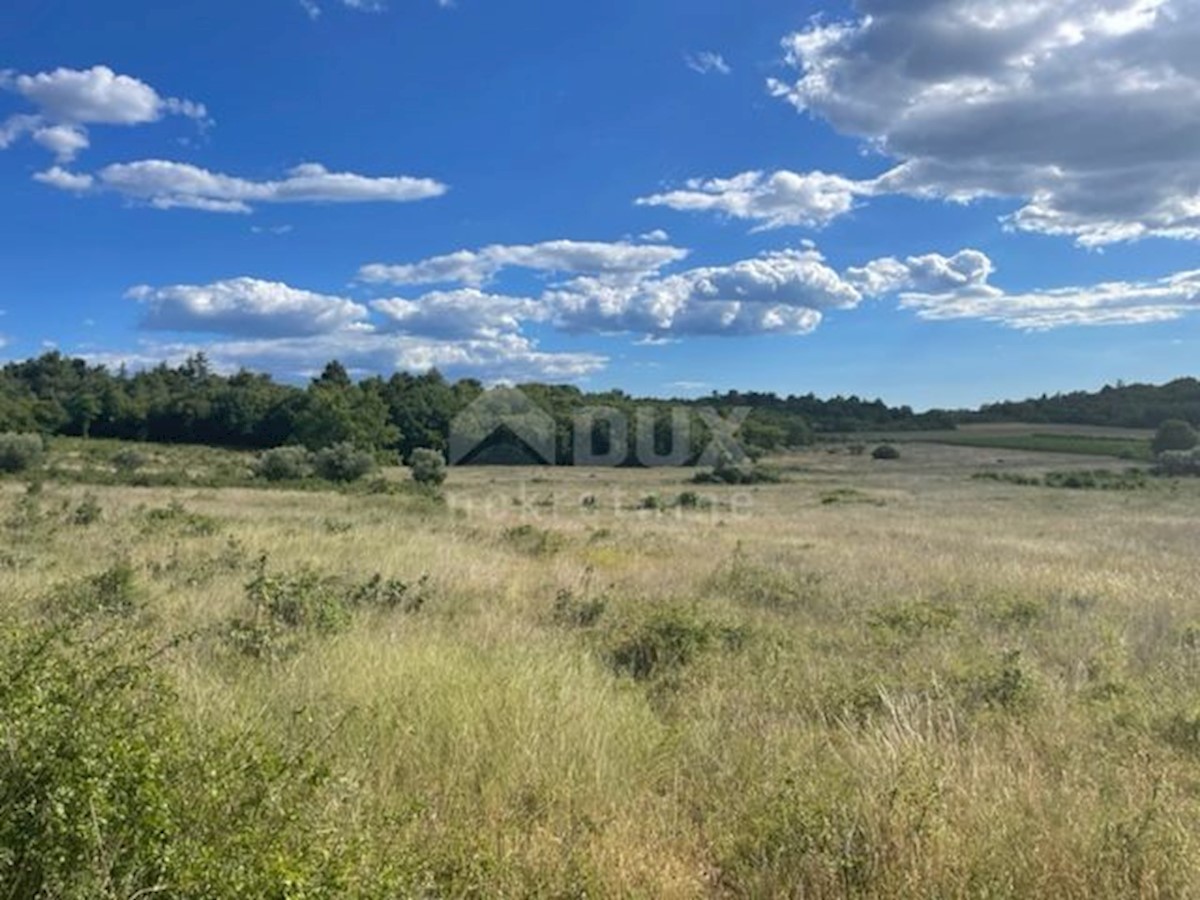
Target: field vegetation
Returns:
[866, 679]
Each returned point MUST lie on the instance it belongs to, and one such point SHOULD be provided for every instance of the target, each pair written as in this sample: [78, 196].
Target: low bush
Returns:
[534, 541]
[885, 452]
[129, 460]
[284, 464]
[428, 467]
[21, 452]
[575, 612]
[343, 463]
[726, 471]
[289, 608]
[1175, 435]
[667, 641]
[1179, 464]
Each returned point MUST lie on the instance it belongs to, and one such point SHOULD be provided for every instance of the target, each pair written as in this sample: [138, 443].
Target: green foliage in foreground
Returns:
[107, 792]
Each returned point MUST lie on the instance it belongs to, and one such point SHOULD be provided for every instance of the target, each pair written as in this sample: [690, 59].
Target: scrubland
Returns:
[874, 679]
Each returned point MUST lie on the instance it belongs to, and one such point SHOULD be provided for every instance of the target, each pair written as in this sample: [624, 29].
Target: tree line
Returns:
[55, 394]
[1118, 406]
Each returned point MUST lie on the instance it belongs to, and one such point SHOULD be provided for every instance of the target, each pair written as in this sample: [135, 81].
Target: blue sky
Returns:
[939, 202]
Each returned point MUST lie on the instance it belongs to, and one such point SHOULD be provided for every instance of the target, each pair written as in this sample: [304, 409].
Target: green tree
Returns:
[1175, 434]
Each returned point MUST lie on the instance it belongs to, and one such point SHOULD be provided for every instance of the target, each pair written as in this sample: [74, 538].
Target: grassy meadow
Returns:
[873, 679]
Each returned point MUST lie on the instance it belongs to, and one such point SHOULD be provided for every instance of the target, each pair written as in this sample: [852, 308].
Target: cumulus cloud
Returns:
[171, 185]
[1111, 303]
[244, 307]
[69, 100]
[707, 63]
[772, 200]
[64, 141]
[929, 273]
[783, 292]
[1088, 111]
[510, 358]
[460, 314]
[58, 177]
[939, 287]
[474, 267]
[287, 330]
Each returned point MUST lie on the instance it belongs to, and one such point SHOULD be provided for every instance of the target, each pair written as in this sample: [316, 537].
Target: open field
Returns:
[1080, 440]
[872, 680]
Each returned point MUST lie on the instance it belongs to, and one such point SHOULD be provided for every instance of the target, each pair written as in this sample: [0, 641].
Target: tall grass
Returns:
[958, 690]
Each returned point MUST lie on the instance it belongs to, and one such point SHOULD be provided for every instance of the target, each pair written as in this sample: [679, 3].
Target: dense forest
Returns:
[190, 403]
[55, 394]
[1122, 406]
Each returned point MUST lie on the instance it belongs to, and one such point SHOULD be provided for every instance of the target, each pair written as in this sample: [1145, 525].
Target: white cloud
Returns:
[783, 292]
[772, 200]
[940, 287]
[96, 96]
[15, 127]
[58, 177]
[68, 100]
[64, 141]
[474, 267]
[245, 307]
[461, 314]
[170, 185]
[289, 331]
[1087, 110]
[929, 273]
[657, 236]
[512, 357]
[706, 63]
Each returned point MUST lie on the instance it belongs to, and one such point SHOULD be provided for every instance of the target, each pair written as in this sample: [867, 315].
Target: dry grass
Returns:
[894, 681]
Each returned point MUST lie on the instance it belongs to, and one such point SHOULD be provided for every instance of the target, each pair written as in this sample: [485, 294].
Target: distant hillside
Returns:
[1122, 406]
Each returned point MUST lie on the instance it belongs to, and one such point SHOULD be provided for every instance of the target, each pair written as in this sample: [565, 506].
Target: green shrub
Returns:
[912, 620]
[289, 608]
[1175, 434]
[86, 805]
[726, 471]
[574, 612]
[534, 541]
[1178, 463]
[666, 642]
[284, 464]
[129, 460]
[107, 794]
[177, 518]
[344, 463]
[21, 452]
[88, 512]
[692, 500]
[428, 467]
[885, 452]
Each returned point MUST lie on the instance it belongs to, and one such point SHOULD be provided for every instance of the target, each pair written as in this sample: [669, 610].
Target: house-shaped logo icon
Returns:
[503, 427]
